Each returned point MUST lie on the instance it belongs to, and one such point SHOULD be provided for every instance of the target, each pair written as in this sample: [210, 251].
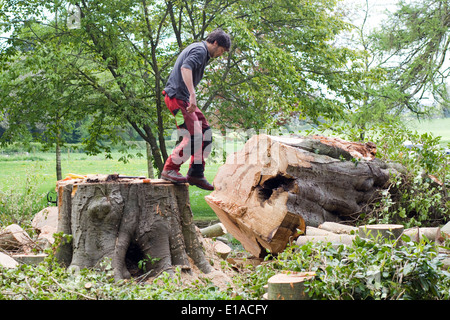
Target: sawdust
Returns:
[221, 275]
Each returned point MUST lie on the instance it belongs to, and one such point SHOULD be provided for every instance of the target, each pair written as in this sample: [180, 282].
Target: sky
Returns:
[377, 10]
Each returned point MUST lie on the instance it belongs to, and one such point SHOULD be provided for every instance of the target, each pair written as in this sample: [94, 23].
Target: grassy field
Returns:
[438, 127]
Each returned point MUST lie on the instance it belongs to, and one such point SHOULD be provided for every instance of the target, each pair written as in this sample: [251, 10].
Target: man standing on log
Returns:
[181, 100]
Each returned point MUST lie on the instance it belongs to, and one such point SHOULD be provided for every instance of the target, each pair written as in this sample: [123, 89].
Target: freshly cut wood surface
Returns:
[267, 193]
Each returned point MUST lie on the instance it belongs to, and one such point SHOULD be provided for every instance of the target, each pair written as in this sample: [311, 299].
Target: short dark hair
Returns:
[223, 39]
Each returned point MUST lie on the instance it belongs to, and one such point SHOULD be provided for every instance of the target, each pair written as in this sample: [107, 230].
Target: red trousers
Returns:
[196, 138]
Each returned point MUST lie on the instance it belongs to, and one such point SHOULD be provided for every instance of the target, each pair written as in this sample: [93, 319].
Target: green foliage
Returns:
[417, 194]
[369, 270]
[50, 281]
[115, 65]
[20, 202]
[412, 46]
[142, 264]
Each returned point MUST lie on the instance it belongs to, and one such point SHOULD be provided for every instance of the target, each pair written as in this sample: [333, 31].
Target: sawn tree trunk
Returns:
[267, 193]
[122, 219]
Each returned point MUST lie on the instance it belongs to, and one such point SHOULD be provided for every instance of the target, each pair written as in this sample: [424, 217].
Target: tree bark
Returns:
[289, 286]
[216, 230]
[417, 234]
[267, 193]
[338, 228]
[120, 219]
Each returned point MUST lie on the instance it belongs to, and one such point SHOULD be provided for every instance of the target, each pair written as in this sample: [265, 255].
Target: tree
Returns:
[414, 42]
[282, 62]
[40, 97]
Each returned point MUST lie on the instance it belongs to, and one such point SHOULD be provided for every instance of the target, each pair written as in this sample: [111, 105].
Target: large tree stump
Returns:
[268, 192]
[120, 219]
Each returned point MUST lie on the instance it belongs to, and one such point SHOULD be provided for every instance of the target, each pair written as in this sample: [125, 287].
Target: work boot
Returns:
[173, 176]
[200, 182]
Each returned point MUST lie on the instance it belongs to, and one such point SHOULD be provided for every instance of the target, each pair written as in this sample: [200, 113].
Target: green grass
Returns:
[438, 127]
[14, 169]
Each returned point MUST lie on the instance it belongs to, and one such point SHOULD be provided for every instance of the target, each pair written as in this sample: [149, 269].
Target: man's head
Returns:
[218, 42]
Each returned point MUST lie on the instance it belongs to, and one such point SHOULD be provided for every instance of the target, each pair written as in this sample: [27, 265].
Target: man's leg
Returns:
[179, 155]
[195, 126]
[201, 149]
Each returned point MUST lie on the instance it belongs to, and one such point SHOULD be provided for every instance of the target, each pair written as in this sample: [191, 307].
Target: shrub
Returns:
[417, 197]
[20, 201]
[370, 270]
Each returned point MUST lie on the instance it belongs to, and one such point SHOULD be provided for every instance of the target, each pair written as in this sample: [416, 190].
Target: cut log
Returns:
[338, 228]
[381, 232]
[7, 262]
[128, 219]
[221, 249]
[216, 230]
[267, 193]
[289, 286]
[14, 238]
[313, 231]
[31, 258]
[417, 234]
[45, 217]
[346, 239]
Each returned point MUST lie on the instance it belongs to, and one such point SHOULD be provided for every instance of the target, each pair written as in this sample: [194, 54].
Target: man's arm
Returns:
[188, 80]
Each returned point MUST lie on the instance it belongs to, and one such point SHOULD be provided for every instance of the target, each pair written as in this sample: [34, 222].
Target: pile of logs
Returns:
[17, 246]
[337, 233]
[291, 285]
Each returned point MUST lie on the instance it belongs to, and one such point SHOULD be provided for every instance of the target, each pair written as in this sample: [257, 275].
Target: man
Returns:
[181, 99]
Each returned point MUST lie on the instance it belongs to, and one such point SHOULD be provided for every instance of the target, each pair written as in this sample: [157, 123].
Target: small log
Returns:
[417, 234]
[313, 231]
[289, 286]
[216, 230]
[14, 238]
[32, 258]
[381, 232]
[346, 239]
[45, 217]
[7, 262]
[338, 228]
[221, 249]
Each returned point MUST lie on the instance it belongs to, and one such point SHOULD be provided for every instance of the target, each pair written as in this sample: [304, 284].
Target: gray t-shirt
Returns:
[194, 57]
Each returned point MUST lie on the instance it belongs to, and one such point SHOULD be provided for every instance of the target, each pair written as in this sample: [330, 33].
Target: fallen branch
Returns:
[216, 230]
